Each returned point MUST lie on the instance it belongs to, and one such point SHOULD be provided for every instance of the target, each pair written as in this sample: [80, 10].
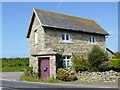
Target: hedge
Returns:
[12, 62]
[115, 64]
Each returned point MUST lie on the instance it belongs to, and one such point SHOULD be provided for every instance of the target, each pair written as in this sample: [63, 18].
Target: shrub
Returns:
[28, 71]
[115, 64]
[65, 75]
[79, 63]
[104, 66]
[96, 57]
[71, 77]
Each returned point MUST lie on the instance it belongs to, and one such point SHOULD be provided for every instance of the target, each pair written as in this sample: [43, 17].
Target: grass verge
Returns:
[31, 79]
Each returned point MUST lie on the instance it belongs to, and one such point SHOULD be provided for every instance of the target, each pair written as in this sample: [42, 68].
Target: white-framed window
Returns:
[92, 39]
[66, 61]
[36, 36]
[66, 37]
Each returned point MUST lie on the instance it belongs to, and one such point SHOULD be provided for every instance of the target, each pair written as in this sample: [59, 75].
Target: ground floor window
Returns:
[66, 61]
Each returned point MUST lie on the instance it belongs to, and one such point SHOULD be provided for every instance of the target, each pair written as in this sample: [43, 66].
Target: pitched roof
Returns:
[62, 21]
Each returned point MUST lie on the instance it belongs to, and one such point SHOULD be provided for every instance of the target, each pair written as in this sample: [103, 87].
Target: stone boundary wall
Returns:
[107, 76]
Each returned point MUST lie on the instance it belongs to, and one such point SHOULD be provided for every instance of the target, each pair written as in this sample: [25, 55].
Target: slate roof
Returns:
[62, 21]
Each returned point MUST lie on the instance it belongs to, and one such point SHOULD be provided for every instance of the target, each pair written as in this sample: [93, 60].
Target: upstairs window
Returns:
[36, 36]
[65, 37]
[92, 40]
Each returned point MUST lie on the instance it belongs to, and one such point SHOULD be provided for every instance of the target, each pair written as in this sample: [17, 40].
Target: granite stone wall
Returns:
[108, 76]
[35, 48]
[79, 41]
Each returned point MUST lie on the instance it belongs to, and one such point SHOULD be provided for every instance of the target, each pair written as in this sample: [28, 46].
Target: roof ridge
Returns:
[66, 15]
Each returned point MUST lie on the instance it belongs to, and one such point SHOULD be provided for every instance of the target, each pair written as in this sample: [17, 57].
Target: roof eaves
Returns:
[110, 50]
[30, 24]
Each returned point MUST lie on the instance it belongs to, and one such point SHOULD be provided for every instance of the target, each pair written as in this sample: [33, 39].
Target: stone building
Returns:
[55, 37]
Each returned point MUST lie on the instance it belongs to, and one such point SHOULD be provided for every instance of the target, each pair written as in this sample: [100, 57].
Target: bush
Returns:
[71, 77]
[65, 75]
[104, 66]
[96, 57]
[79, 63]
[115, 64]
[28, 71]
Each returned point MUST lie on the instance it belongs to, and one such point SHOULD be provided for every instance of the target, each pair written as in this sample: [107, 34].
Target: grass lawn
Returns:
[12, 69]
[27, 78]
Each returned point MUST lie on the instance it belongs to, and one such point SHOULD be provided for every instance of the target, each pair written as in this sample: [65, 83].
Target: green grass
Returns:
[31, 79]
[12, 69]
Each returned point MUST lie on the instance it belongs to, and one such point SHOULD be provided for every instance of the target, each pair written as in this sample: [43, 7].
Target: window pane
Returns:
[63, 57]
[68, 62]
[90, 39]
[93, 39]
[68, 66]
[64, 64]
[67, 37]
[63, 37]
[68, 57]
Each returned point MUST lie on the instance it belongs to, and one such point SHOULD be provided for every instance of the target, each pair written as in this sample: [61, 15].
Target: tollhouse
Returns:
[55, 37]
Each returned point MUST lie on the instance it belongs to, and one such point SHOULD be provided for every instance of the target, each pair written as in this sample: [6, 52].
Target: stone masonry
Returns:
[79, 41]
[36, 48]
[107, 76]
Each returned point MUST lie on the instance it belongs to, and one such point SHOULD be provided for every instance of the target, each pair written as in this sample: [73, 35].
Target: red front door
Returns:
[45, 68]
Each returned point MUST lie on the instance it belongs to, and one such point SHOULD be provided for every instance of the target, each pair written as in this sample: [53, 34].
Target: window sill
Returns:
[66, 42]
[92, 43]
